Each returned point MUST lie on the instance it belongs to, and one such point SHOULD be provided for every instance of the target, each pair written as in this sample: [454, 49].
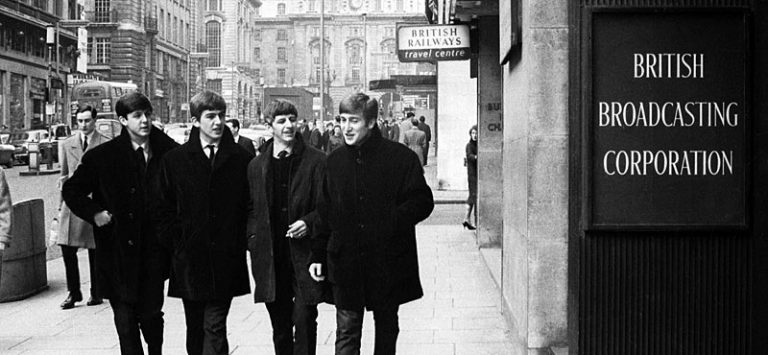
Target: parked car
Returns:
[109, 127]
[6, 150]
[21, 141]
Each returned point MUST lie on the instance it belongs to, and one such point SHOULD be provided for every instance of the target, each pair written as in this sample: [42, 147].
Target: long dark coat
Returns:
[373, 197]
[128, 248]
[202, 217]
[307, 172]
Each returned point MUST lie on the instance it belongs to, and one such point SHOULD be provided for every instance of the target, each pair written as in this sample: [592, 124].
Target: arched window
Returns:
[213, 42]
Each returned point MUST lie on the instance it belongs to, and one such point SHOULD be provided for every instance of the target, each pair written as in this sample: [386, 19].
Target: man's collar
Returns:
[135, 145]
[277, 148]
[204, 143]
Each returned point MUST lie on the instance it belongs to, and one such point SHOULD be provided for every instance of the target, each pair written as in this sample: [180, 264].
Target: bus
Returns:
[101, 95]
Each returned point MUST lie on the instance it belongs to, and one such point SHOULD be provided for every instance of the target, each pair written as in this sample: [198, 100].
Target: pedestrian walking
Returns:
[201, 219]
[424, 127]
[75, 233]
[470, 160]
[245, 142]
[336, 140]
[285, 185]
[405, 126]
[316, 136]
[113, 189]
[416, 140]
[374, 194]
[394, 131]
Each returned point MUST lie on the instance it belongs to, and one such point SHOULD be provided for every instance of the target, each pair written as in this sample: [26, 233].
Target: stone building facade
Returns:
[359, 43]
[27, 62]
[147, 43]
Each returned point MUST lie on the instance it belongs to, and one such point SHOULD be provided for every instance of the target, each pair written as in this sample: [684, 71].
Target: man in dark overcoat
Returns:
[373, 196]
[202, 216]
[112, 190]
[243, 141]
[424, 127]
[285, 184]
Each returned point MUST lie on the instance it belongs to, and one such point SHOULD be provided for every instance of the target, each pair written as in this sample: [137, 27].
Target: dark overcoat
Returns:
[373, 197]
[201, 219]
[247, 143]
[109, 179]
[306, 178]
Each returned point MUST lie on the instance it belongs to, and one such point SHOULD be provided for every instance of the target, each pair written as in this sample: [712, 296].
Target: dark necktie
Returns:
[211, 153]
[141, 160]
[282, 155]
[85, 143]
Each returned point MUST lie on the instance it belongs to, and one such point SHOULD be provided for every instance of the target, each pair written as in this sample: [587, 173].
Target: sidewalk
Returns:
[459, 313]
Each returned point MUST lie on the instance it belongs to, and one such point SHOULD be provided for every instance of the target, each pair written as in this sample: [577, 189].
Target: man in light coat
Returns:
[75, 233]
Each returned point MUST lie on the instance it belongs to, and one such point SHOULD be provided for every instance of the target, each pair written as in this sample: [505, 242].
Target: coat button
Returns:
[133, 190]
[130, 215]
[359, 161]
[130, 242]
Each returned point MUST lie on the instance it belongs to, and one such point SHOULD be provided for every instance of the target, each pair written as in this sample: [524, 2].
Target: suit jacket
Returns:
[73, 231]
[247, 143]
[201, 218]
[109, 179]
[427, 130]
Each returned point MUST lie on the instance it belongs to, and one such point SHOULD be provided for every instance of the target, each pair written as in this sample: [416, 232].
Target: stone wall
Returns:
[535, 173]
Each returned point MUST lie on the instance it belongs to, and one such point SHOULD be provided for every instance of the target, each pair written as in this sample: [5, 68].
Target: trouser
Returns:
[349, 331]
[288, 311]
[72, 270]
[145, 315]
[207, 326]
[426, 153]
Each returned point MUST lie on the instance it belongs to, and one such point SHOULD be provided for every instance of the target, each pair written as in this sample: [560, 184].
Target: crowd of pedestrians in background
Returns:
[327, 212]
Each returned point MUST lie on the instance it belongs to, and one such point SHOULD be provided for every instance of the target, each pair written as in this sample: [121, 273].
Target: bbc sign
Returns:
[430, 43]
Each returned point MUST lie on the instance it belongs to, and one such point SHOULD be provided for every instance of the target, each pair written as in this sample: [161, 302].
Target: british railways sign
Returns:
[432, 43]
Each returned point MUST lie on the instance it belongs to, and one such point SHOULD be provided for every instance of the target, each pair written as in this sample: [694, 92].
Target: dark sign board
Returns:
[668, 120]
[430, 43]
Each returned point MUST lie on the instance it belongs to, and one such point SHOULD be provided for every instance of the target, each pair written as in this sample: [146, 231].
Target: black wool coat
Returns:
[373, 197]
[109, 179]
[201, 219]
[306, 177]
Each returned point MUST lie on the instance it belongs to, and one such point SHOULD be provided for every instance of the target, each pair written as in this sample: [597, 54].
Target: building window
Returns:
[257, 35]
[101, 11]
[282, 35]
[355, 74]
[213, 5]
[311, 5]
[399, 5]
[315, 31]
[174, 29]
[354, 54]
[281, 54]
[257, 72]
[162, 23]
[103, 49]
[281, 8]
[214, 85]
[257, 53]
[168, 26]
[213, 41]
[281, 76]
[40, 4]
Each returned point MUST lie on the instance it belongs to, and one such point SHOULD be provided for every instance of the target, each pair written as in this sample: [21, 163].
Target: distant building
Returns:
[147, 43]
[25, 58]
[359, 43]
[230, 31]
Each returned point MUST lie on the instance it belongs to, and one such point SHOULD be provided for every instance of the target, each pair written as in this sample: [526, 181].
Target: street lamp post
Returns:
[322, 60]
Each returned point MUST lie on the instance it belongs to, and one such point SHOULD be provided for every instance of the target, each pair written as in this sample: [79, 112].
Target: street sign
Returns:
[430, 43]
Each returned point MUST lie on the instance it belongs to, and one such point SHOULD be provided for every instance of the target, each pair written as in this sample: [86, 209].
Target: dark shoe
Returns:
[468, 226]
[72, 298]
[94, 301]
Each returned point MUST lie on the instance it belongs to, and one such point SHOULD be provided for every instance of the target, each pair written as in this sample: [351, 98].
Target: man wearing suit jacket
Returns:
[74, 232]
[115, 189]
[245, 142]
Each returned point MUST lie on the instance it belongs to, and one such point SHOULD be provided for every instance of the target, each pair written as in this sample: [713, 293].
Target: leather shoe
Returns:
[94, 301]
[69, 303]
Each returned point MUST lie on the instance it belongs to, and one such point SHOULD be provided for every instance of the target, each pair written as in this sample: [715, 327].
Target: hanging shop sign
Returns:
[430, 43]
[668, 120]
